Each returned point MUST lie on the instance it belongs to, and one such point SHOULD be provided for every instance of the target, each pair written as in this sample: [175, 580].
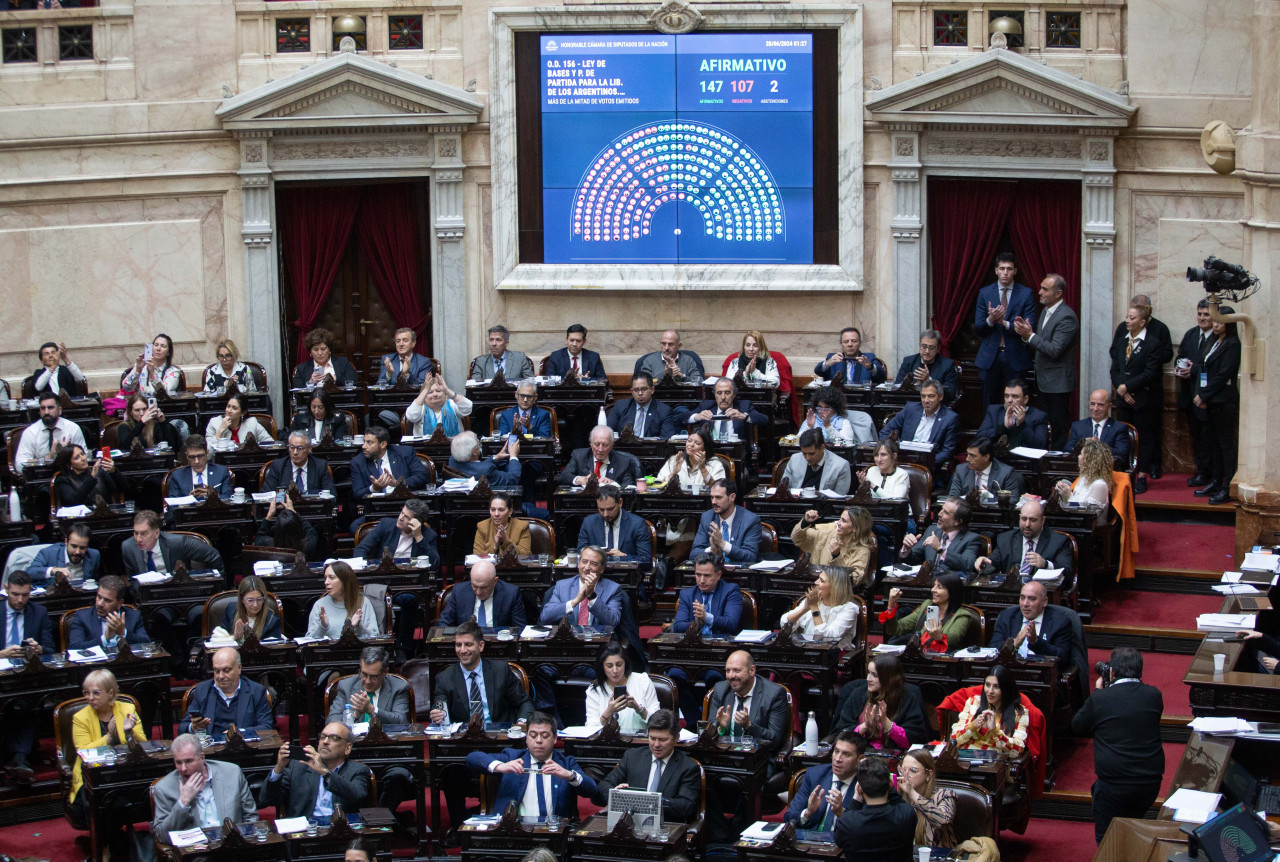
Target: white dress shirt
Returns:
[925, 428]
[34, 442]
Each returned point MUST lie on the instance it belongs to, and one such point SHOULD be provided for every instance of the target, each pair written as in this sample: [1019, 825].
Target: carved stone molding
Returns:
[255, 180]
[1099, 151]
[676, 16]
[1099, 241]
[906, 175]
[452, 234]
[387, 149]
[257, 240]
[253, 153]
[1099, 180]
[1058, 106]
[904, 147]
[908, 235]
[447, 148]
[1008, 149]
[447, 176]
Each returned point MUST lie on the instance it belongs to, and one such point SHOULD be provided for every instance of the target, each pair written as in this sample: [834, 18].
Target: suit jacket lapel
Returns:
[312, 790]
[164, 552]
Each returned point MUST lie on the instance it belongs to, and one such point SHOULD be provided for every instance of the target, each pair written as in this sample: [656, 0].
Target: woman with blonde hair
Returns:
[104, 720]
[848, 541]
[757, 366]
[251, 611]
[342, 599]
[935, 806]
[827, 609]
[1095, 483]
[228, 368]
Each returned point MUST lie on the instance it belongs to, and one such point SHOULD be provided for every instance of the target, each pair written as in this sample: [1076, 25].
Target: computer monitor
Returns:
[1235, 835]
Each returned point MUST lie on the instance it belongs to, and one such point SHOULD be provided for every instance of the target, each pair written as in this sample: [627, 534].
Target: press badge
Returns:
[1204, 379]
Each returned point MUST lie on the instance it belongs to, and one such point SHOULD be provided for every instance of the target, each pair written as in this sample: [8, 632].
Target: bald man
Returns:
[227, 699]
[685, 365]
[492, 603]
[1101, 426]
[1031, 547]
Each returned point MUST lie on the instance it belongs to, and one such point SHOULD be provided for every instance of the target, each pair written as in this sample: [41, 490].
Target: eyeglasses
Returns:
[200, 456]
[525, 394]
[332, 737]
[259, 600]
[298, 448]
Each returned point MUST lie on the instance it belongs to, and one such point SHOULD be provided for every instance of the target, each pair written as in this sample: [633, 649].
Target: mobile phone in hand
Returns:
[105, 453]
[151, 401]
[280, 497]
[146, 352]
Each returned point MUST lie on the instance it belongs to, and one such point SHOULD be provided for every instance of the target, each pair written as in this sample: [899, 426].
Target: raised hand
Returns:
[190, 789]
[324, 618]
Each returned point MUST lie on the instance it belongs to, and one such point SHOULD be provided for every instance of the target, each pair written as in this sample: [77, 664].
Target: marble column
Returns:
[911, 290]
[1097, 268]
[261, 276]
[449, 289]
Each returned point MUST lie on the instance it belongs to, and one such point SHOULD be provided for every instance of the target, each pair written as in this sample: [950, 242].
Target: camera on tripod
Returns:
[1219, 276]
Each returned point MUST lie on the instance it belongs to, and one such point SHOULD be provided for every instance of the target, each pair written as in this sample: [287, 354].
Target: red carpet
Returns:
[1182, 546]
[1164, 671]
[1155, 610]
[1169, 488]
[1075, 767]
[1049, 839]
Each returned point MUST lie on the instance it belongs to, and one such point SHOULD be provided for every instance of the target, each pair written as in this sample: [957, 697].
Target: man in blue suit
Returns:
[624, 536]
[199, 475]
[647, 418]
[490, 602]
[727, 412]
[1102, 426]
[527, 418]
[108, 620]
[927, 422]
[715, 605]
[728, 530]
[552, 788]
[850, 363]
[406, 535]
[381, 466]
[574, 356]
[404, 360]
[1002, 355]
[1016, 419]
[587, 598]
[74, 558]
[215, 704]
[826, 790]
[502, 470]
[26, 626]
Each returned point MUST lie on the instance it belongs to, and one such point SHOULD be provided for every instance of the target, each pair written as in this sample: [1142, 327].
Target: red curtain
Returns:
[315, 225]
[1045, 230]
[388, 234]
[966, 218]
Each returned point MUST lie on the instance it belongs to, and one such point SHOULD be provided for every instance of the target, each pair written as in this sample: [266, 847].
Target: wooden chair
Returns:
[750, 610]
[768, 538]
[520, 674]
[778, 469]
[665, 689]
[12, 438]
[267, 421]
[975, 813]
[418, 672]
[730, 468]
[65, 750]
[542, 536]
[262, 474]
[982, 623]
[1132, 467]
[364, 530]
[919, 487]
[496, 415]
[332, 687]
[215, 607]
[111, 433]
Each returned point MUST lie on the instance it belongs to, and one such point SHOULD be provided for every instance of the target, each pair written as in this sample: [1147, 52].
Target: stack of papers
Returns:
[481, 821]
[770, 565]
[188, 500]
[761, 830]
[1261, 562]
[300, 640]
[220, 638]
[84, 656]
[289, 825]
[267, 568]
[888, 649]
[93, 756]
[579, 731]
[356, 563]
[978, 652]
[264, 497]
[896, 572]
[1237, 589]
[447, 729]
[1226, 622]
[1048, 575]
[686, 735]
[912, 446]
[8, 664]
[1192, 806]
[151, 578]
[192, 837]
[535, 632]
[72, 511]
[753, 636]
[462, 486]
[1221, 725]
[1028, 452]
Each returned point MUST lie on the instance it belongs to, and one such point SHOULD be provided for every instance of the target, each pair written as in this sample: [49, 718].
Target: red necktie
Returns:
[598, 465]
[575, 365]
[584, 613]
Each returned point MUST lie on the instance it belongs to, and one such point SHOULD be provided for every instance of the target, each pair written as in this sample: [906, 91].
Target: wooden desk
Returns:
[214, 404]
[1251, 696]
[591, 842]
[383, 749]
[145, 676]
[1132, 840]
[210, 518]
[511, 840]
[181, 591]
[297, 589]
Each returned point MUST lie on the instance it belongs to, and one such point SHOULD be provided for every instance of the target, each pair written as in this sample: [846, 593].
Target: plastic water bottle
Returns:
[600, 418]
[811, 735]
[349, 716]
[15, 506]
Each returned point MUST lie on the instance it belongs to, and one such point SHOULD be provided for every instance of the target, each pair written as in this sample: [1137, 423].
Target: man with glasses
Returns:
[311, 475]
[929, 363]
[647, 417]
[199, 793]
[323, 779]
[527, 418]
[73, 558]
[42, 438]
[227, 699]
[372, 692]
[199, 475]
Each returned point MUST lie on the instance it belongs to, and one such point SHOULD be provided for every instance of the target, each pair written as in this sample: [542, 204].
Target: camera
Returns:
[1103, 669]
[1219, 276]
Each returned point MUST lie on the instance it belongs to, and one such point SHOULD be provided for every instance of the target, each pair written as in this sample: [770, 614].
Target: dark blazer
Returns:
[505, 476]
[507, 698]
[606, 610]
[304, 422]
[271, 627]
[1114, 434]
[741, 427]
[508, 607]
[877, 833]
[632, 532]
[36, 626]
[294, 792]
[559, 363]
[688, 361]
[1017, 355]
[770, 714]
[511, 787]
[266, 537]
[418, 366]
[82, 489]
[1124, 721]
[1222, 367]
[66, 381]
[386, 536]
[861, 374]
[910, 715]
[165, 432]
[405, 465]
[1190, 349]
[539, 424]
[1052, 545]
[195, 555]
[1002, 478]
[680, 785]
[815, 776]
[55, 556]
[725, 607]
[303, 371]
[623, 467]
[661, 420]
[215, 476]
[1140, 373]
[1055, 353]
[962, 553]
[86, 628]
[280, 473]
[253, 712]
[1033, 432]
[744, 538]
[945, 435]
[943, 370]
[393, 699]
[1054, 638]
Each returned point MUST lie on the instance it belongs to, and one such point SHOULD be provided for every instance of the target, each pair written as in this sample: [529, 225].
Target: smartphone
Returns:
[512, 439]
[151, 401]
[932, 613]
[146, 352]
[105, 453]
[619, 691]
[195, 714]
[280, 496]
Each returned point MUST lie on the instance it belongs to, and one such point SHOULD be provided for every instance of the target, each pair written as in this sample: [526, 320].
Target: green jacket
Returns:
[961, 628]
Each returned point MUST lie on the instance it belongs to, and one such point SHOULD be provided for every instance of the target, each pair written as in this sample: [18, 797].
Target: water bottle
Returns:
[349, 716]
[600, 418]
[811, 735]
[15, 506]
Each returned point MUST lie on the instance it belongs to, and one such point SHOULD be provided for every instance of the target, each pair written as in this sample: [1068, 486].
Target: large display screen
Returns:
[693, 149]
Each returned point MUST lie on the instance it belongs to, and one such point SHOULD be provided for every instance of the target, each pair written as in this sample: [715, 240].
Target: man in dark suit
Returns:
[877, 826]
[647, 418]
[1102, 426]
[73, 558]
[227, 699]
[310, 474]
[602, 597]
[727, 414]
[503, 470]
[1195, 344]
[1037, 628]
[826, 790]
[562, 780]
[312, 787]
[513, 364]
[322, 362]
[575, 357]
[153, 551]
[1016, 419]
[379, 466]
[948, 543]
[713, 604]
[623, 536]
[491, 602]
[983, 471]
[199, 475]
[1138, 356]
[601, 461]
[108, 620]
[26, 629]
[371, 692]
[927, 422]
[406, 535]
[685, 365]
[659, 768]
[404, 361]
[929, 363]
[1124, 720]
[1031, 547]
[728, 530]
[1002, 355]
[1053, 338]
[527, 418]
[849, 363]
[1162, 340]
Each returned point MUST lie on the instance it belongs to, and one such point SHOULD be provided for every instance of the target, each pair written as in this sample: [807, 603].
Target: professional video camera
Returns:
[1226, 279]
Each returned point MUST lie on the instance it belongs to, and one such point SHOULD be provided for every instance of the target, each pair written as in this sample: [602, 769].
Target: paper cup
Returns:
[925, 853]
[1219, 663]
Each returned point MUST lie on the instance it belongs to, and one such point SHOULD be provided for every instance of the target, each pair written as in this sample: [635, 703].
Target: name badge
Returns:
[1204, 379]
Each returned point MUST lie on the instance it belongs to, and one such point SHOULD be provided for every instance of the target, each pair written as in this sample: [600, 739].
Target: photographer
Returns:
[1123, 717]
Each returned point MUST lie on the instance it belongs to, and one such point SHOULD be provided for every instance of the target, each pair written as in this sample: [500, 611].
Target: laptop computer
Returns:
[1235, 835]
[1243, 786]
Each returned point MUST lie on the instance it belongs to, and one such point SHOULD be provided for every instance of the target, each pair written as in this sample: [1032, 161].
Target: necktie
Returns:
[1128, 348]
[542, 798]
[49, 447]
[584, 612]
[481, 616]
[639, 423]
[15, 636]
[501, 365]
[297, 478]
[473, 692]
[598, 464]
[946, 540]
[733, 719]
[1204, 338]
[608, 537]
[151, 561]
[199, 479]
[656, 778]
[575, 366]
[1004, 300]
[1097, 430]
[706, 603]
[848, 371]
[1026, 563]
[828, 822]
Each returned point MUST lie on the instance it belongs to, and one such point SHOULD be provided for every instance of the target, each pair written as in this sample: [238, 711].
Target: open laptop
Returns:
[645, 808]
[1235, 835]
[1243, 786]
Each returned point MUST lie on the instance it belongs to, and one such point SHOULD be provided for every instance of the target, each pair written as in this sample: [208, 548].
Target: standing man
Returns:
[26, 628]
[827, 789]
[929, 363]
[1002, 355]
[1162, 343]
[404, 363]
[1195, 344]
[1123, 717]
[685, 365]
[575, 357]
[1054, 341]
[1136, 374]
[513, 364]
[850, 363]
[42, 438]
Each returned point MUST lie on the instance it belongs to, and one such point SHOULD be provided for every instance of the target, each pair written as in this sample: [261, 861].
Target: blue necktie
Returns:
[297, 478]
[706, 603]
[828, 822]
[151, 562]
[199, 479]
[481, 616]
[542, 798]
[15, 636]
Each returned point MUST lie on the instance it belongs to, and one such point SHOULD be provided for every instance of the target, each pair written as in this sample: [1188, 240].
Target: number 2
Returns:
[773, 86]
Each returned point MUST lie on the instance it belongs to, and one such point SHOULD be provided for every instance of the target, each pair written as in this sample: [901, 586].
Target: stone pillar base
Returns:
[1257, 517]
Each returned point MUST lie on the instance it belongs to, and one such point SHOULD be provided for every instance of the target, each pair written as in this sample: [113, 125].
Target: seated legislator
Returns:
[228, 368]
[694, 466]
[745, 704]
[323, 778]
[320, 417]
[617, 690]
[587, 598]
[575, 357]
[539, 780]
[753, 360]
[501, 529]
[491, 602]
[319, 343]
[500, 471]
[404, 363]
[158, 371]
[372, 692]
[930, 363]
[42, 438]
[849, 364]
[935, 806]
[844, 542]
[994, 720]
[659, 768]
[1015, 419]
[647, 417]
[513, 364]
[622, 535]
[108, 620]
[235, 424]
[379, 467]
[437, 405]
[199, 793]
[728, 529]
[526, 417]
[103, 720]
[948, 544]
[884, 708]
[227, 699]
[888, 481]
[713, 604]
[72, 558]
[981, 470]
[311, 475]
[602, 462]
[57, 373]
[150, 550]
[1030, 547]
[828, 788]
[406, 535]
[342, 599]
[685, 366]
[251, 612]
[942, 621]
[282, 528]
[927, 422]
[26, 627]
[1101, 426]
[147, 422]
[827, 611]
[1037, 628]
[814, 467]
[878, 825]
[829, 413]
[727, 414]
[195, 479]
[1095, 483]
[76, 483]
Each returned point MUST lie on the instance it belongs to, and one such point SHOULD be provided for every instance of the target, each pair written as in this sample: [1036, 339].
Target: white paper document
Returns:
[771, 565]
[894, 572]
[151, 578]
[579, 731]
[752, 636]
[1231, 577]
[1226, 622]
[1219, 725]
[1048, 575]
[1028, 452]
[267, 568]
[192, 837]
[72, 511]
[83, 656]
[1237, 589]
[289, 825]
[913, 446]
[188, 500]
[264, 497]
[1192, 806]
[532, 633]
[1261, 562]
[686, 735]
[888, 649]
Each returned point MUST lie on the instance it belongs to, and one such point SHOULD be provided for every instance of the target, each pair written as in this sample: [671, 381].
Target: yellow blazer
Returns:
[816, 540]
[86, 732]
[517, 534]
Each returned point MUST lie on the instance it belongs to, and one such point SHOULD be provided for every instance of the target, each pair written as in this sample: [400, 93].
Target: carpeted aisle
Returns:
[1147, 609]
[1202, 547]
